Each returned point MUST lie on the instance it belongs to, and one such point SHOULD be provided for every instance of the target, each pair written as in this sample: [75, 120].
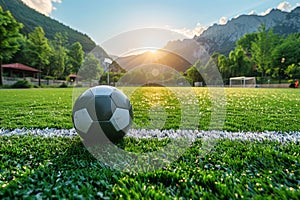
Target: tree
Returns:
[75, 54]
[246, 42]
[210, 72]
[193, 75]
[240, 63]
[293, 71]
[9, 35]
[59, 56]
[224, 67]
[58, 61]
[20, 55]
[284, 55]
[60, 39]
[90, 69]
[38, 50]
[261, 49]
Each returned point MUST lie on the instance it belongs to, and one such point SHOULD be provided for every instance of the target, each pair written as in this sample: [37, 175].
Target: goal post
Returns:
[242, 81]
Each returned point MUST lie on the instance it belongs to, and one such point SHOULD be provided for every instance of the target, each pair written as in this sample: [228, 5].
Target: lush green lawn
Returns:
[39, 167]
[62, 168]
[36, 108]
[246, 109]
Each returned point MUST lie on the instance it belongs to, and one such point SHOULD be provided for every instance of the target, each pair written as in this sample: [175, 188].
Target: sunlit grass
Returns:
[37, 167]
[163, 108]
[36, 108]
[34, 167]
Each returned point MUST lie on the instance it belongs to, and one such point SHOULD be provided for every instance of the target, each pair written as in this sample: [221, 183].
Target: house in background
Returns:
[18, 70]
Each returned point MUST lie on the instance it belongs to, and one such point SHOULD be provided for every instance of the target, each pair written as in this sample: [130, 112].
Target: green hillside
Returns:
[31, 18]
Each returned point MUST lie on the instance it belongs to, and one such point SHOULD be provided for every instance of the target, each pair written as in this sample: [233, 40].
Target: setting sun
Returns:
[153, 50]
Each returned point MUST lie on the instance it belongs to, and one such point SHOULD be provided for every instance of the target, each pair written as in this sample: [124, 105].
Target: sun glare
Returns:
[153, 50]
[141, 51]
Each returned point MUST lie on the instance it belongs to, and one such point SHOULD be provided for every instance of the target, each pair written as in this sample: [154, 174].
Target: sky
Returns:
[105, 19]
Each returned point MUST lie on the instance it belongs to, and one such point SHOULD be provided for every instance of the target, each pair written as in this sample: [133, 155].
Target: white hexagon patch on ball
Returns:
[82, 120]
[120, 119]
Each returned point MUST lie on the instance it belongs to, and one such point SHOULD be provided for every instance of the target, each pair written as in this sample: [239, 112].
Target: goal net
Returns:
[242, 81]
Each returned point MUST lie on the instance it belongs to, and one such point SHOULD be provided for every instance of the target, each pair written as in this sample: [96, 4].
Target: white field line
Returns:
[191, 134]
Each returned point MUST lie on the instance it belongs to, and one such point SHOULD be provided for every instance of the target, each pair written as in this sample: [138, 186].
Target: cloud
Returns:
[223, 20]
[253, 12]
[190, 33]
[43, 6]
[266, 12]
[285, 6]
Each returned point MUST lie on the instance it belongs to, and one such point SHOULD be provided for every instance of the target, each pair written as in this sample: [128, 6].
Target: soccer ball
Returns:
[102, 114]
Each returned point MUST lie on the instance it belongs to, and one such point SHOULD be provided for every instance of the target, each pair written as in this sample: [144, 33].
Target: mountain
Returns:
[101, 54]
[31, 18]
[222, 38]
[152, 59]
[181, 54]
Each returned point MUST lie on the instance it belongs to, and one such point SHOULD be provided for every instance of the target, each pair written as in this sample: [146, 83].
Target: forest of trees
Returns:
[55, 58]
[262, 54]
[265, 55]
[31, 19]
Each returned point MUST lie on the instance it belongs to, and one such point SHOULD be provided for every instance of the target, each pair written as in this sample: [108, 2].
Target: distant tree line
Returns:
[31, 19]
[263, 54]
[56, 58]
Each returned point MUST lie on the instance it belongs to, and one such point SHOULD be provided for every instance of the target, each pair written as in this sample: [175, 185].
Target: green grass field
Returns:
[39, 167]
[246, 109]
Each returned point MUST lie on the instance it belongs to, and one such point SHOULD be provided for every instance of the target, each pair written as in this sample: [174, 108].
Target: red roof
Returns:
[74, 76]
[20, 66]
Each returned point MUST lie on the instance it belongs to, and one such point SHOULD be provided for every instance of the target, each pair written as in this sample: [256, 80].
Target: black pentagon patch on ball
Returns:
[104, 107]
[83, 100]
[110, 131]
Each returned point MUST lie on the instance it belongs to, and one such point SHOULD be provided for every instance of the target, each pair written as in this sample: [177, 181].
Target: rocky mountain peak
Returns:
[222, 38]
